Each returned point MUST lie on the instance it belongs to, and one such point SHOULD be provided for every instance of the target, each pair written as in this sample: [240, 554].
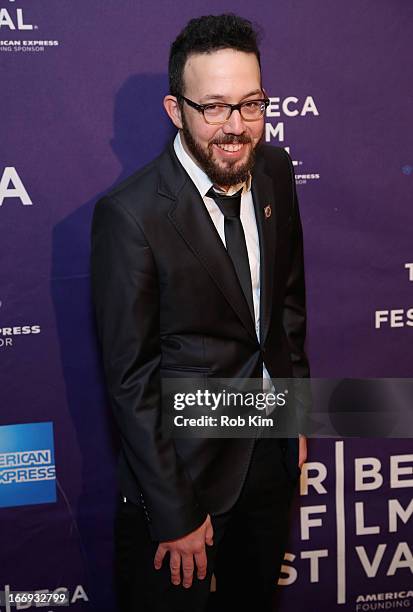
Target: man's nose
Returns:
[235, 124]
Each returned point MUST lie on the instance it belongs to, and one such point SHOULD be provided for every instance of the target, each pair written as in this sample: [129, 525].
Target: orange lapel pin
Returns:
[267, 211]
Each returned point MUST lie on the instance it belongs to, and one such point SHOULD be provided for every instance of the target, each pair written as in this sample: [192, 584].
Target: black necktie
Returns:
[235, 240]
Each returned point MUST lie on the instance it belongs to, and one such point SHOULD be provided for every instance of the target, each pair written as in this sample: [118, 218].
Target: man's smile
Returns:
[230, 150]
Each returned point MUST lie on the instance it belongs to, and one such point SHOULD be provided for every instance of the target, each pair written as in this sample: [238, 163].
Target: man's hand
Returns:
[183, 551]
[302, 450]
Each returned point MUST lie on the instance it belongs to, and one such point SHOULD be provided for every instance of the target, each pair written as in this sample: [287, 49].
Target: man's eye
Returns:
[252, 105]
[213, 107]
[215, 110]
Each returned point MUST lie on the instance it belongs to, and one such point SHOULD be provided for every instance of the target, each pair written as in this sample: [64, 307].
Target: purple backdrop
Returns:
[82, 109]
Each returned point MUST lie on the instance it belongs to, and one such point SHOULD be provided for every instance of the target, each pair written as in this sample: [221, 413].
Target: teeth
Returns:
[230, 147]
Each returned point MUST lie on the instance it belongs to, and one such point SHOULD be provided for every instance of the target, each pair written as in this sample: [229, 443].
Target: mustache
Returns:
[232, 139]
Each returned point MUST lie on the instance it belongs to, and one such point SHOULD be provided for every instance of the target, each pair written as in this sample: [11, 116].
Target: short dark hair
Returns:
[205, 35]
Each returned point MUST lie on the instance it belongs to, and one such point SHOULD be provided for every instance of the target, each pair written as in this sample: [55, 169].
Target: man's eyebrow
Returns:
[253, 93]
[221, 97]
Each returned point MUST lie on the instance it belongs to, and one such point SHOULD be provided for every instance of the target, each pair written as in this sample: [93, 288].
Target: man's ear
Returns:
[173, 109]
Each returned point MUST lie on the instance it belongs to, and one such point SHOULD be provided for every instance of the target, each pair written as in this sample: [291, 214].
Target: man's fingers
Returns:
[175, 565]
[183, 551]
[187, 570]
[201, 564]
[209, 535]
[159, 556]
[302, 451]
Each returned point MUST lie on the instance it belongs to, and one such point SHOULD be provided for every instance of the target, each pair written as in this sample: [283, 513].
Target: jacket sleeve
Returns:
[126, 297]
[294, 310]
[295, 319]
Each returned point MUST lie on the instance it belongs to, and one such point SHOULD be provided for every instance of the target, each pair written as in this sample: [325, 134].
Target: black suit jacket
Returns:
[167, 297]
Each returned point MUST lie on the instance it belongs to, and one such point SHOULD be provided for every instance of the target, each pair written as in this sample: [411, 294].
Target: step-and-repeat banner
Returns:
[81, 108]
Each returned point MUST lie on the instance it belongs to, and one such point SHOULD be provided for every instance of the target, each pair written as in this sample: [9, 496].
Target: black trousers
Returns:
[249, 544]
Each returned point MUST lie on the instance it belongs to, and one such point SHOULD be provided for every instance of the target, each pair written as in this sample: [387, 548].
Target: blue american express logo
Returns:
[27, 467]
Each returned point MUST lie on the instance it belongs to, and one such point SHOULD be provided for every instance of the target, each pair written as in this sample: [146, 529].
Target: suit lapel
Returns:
[264, 205]
[193, 222]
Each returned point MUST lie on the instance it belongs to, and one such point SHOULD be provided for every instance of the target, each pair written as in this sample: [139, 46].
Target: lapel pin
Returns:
[267, 211]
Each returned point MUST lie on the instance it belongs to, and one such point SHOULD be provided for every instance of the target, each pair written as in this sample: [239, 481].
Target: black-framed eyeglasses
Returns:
[218, 112]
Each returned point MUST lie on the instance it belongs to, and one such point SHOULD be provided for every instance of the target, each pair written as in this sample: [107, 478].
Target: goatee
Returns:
[233, 173]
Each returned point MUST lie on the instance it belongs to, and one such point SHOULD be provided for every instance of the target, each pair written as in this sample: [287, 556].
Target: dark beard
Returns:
[220, 176]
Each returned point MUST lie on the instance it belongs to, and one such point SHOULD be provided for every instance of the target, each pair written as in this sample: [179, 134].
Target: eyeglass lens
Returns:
[221, 112]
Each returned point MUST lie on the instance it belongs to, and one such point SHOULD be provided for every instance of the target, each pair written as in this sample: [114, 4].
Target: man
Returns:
[173, 297]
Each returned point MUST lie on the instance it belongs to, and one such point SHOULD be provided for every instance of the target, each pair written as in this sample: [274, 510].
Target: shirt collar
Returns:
[202, 182]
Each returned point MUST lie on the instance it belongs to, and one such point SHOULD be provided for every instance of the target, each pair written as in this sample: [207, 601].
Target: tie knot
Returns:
[228, 205]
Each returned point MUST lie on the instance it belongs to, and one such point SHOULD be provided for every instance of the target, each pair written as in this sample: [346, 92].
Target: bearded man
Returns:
[197, 269]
